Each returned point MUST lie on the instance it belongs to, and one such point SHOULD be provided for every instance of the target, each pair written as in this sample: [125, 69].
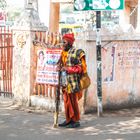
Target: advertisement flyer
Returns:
[47, 66]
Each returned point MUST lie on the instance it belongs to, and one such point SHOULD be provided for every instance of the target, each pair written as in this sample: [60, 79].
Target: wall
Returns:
[24, 33]
[120, 69]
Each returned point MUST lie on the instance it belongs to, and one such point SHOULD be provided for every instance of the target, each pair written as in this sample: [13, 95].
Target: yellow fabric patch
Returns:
[69, 89]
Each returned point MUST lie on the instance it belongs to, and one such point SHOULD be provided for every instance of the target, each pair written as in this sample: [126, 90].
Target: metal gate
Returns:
[6, 52]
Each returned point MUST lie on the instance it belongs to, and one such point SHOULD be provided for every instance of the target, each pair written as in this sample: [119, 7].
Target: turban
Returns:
[69, 37]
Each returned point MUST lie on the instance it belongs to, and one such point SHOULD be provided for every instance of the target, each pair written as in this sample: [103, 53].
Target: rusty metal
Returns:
[6, 53]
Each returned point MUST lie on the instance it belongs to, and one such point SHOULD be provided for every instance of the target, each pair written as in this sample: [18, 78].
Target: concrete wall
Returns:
[24, 32]
[120, 69]
[120, 65]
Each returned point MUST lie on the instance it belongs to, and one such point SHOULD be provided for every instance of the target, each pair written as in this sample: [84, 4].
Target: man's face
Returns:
[66, 45]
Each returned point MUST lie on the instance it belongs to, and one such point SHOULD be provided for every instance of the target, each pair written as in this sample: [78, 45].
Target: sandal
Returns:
[63, 124]
[73, 125]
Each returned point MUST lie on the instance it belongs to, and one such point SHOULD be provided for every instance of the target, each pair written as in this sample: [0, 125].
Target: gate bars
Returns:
[6, 53]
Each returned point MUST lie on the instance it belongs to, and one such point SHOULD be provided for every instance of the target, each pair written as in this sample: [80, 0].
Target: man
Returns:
[73, 62]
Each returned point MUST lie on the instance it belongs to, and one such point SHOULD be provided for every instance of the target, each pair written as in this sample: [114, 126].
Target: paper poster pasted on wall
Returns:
[46, 66]
[108, 61]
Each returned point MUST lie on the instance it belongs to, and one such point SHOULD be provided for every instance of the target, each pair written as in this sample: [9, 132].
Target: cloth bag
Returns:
[84, 81]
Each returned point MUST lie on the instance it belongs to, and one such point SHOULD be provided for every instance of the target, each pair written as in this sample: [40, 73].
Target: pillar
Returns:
[138, 18]
[23, 56]
[54, 17]
[124, 18]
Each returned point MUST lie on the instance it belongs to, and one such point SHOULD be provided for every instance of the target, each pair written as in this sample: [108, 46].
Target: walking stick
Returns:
[57, 102]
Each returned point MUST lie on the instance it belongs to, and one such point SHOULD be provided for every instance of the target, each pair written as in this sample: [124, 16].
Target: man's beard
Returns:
[67, 47]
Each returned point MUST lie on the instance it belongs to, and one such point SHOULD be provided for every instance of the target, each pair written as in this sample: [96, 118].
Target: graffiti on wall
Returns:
[128, 56]
[21, 39]
[118, 56]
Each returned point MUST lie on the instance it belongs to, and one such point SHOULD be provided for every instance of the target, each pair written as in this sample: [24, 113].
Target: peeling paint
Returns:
[122, 59]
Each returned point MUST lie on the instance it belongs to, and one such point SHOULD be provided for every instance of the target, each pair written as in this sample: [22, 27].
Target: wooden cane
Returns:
[57, 103]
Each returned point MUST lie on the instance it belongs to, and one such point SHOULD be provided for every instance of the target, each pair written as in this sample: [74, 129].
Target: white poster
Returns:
[46, 66]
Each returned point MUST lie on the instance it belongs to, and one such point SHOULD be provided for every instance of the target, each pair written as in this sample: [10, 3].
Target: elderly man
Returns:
[74, 64]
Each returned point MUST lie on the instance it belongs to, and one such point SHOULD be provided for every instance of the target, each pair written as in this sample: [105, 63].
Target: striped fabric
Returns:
[74, 58]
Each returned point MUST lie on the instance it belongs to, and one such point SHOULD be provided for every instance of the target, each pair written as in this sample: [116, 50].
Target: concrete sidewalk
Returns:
[23, 123]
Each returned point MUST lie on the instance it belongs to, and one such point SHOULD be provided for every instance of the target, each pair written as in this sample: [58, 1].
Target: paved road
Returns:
[28, 124]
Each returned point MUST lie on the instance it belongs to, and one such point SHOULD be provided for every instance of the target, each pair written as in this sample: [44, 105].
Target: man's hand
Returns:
[64, 68]
[58, 68]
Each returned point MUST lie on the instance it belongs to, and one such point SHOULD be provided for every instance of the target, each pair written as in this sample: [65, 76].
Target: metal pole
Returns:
[99, 63]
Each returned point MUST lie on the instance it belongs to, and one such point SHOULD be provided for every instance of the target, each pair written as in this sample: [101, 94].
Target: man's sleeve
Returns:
[74, 69]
